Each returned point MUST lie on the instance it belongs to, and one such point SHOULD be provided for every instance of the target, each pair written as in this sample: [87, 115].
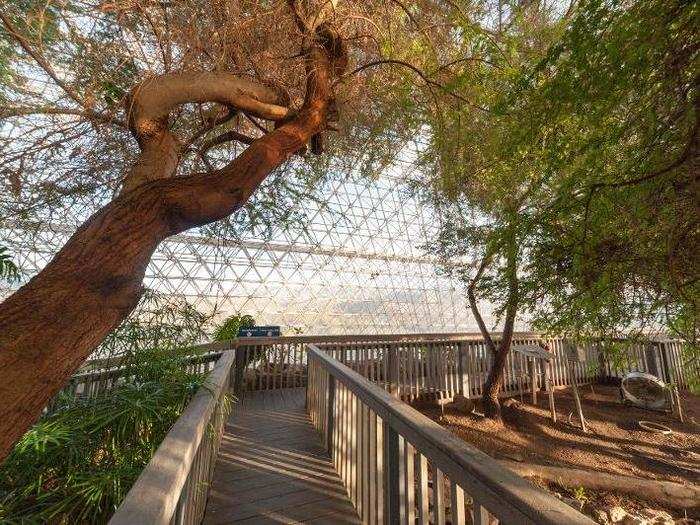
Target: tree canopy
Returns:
[588, 152]
[69, 70]
[154, 118]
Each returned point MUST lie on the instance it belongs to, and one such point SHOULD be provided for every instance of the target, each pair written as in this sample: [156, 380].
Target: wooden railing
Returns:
[663, 359]
[96, 381]
[397, 464]
[173, 487]
[451, 363]
[452, 367]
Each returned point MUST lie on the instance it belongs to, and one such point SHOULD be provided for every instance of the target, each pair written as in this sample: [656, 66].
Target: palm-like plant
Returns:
[8, 269]
[78, 462]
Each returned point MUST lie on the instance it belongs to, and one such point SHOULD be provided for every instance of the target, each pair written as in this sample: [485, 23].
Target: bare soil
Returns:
[615, 442]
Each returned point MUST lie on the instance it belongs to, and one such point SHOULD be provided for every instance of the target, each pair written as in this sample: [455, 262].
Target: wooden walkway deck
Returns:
[272, 467]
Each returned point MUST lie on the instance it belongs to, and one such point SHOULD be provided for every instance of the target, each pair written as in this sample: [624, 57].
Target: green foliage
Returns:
[615, 111]
[8, 269]
[160, 322]
[228, 330]
[691, 366]
[586, 151]
[580, 495]
[77, 463]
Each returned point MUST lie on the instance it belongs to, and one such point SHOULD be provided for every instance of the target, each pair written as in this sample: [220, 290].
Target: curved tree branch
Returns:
[690, 151]
[485, 262]
[154, 99]
[421, 74]
[228, 136]
[151, 102]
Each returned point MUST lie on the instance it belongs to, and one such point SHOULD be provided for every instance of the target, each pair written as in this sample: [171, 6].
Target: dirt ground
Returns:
[614, 444]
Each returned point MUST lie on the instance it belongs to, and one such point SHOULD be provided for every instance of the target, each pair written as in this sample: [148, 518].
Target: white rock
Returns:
[617, 514]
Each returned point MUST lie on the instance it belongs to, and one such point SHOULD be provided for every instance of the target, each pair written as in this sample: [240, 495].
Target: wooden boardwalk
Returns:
[272, 467]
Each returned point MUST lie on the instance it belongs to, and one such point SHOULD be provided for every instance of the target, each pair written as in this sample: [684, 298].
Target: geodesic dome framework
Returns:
[356, 266]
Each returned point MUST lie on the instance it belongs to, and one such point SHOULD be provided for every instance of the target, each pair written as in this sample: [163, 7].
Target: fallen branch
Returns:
[666, 492]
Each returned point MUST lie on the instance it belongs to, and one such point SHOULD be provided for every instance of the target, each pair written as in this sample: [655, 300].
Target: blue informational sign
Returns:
[259, 331]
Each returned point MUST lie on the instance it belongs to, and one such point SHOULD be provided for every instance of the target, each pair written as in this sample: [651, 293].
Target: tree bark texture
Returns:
[499, 352]
[53, 323]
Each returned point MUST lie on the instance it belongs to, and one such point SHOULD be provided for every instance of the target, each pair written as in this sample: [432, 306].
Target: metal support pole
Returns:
[533, 379]
[577, 398]
[549, 385]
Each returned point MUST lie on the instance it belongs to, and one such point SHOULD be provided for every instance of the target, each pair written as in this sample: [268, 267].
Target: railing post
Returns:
[393, 372]
[392, 503]
[330, 413]
[239, 369]
[602, 369]
[461, 370]
[668, 378]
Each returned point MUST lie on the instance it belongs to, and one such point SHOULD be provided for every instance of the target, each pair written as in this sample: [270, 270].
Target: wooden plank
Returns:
[381, 472]
[344, 470]
[423, 492]
[410, 373]
[409, 483]
[365, 463]
[352, 431]
[480, 516]
[438, 497]
[456, 504]
[290, 478]
[403, 519]
[533, 379]
[372, 484]
[392, 481]
[330, 428]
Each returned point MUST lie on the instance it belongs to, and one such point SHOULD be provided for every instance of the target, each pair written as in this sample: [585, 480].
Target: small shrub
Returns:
[78, 462]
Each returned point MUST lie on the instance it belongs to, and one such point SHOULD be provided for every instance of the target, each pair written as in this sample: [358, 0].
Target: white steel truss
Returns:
[356, 266]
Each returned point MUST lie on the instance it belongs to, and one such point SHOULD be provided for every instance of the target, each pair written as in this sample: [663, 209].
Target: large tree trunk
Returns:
[53, 323]
[494, 381]
[499, 353]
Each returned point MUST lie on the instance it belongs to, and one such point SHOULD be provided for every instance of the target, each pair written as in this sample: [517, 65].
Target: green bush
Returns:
[228, 330]
[77, 463]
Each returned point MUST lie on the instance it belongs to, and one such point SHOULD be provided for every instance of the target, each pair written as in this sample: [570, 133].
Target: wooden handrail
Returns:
[457, 364]
[371, 338]
[96, 381]
[167, 486]
[506, 495]
[117, 368]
